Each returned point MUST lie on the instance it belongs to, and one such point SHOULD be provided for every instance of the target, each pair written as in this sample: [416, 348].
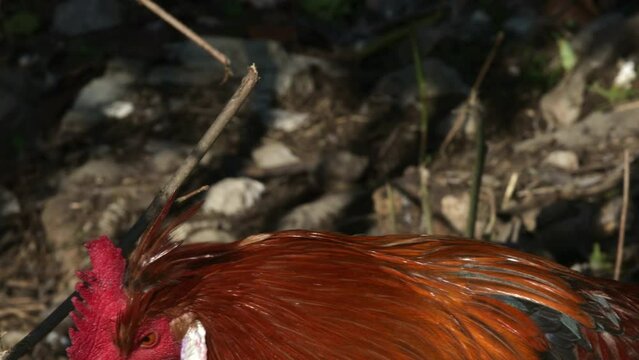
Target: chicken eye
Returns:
[149, 340]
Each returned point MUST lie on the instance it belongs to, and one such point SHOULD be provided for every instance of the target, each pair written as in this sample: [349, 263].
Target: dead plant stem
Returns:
[181, 27]
[624, 214]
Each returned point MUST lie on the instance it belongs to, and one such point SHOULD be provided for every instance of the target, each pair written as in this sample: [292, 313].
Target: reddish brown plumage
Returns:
[312, 295]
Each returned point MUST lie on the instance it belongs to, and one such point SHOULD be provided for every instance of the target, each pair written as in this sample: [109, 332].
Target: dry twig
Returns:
[471, 102]
[390, 197]
[624, 214]
[178, 25]
[480, 143]
[543, 196]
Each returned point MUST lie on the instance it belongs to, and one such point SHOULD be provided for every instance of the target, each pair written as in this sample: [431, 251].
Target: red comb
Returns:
[103, 298]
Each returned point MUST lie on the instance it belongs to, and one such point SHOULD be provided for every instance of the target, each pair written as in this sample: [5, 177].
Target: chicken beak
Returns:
[194, 343]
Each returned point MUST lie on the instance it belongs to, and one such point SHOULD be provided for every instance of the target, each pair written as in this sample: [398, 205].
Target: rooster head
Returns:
[98, 311]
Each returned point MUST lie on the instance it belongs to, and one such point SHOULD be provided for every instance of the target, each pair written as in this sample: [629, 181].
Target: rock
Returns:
[11, 337]
[401, 86]
[94, 172]
[563, 159]
[395, 212]
[296, 79]
[210, 235]
[273, 155]
[118, 109]
[166, 156]
[198, 231]
[9, 204]
[455, 210]
[529, 219]
[626, 74]
[74, 17]
[524, 26]
[319, 214]
[609, 216]
[233, 196]
[166, 161]
[99, 94]
[598, 128]
[113, 215]
[343, 166]
[454, 207]
[287, 121]
[561, 107]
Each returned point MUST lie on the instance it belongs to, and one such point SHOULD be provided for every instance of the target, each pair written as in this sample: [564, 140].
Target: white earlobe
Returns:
[194, 343]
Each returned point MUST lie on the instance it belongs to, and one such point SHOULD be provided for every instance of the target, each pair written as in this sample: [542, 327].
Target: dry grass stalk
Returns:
[624, 214]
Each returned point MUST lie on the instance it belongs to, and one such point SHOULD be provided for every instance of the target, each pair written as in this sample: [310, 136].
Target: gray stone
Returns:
[118, 109]
[523, 26]
[74, 17]
[319, 214]
[455, 210]
[344, 166]
[609, 216]
[401, 86]
[199, 231]
[273, 155]
[167, 160]
[233, 196]
[9, 204]
[597, 128]
[94, 172]
[561, 106]
[287, 121]
[295, 79]
[563, 159]
[11, 337]
[93, 99]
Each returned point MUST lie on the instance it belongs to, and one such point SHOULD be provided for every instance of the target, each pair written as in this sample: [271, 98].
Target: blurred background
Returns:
[369, 117]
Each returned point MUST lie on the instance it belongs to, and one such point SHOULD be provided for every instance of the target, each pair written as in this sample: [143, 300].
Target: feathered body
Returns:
[314, 295]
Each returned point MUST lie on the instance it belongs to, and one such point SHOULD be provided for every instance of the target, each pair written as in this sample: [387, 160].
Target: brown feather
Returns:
[309, 295]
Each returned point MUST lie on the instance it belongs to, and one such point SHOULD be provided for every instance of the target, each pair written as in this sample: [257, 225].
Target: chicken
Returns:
[315, 295]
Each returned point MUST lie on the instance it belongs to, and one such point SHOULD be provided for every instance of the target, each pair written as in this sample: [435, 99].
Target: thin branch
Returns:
[193, 193]
[197, 39]
[478, 170]
[471, 102]
[510, 189]
[390, 197]
[624, 214]
[480, 153]
[426, 222]
[129, 240]
[543, 196]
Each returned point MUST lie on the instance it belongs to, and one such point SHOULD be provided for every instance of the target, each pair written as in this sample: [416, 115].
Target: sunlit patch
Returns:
[194, 343]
